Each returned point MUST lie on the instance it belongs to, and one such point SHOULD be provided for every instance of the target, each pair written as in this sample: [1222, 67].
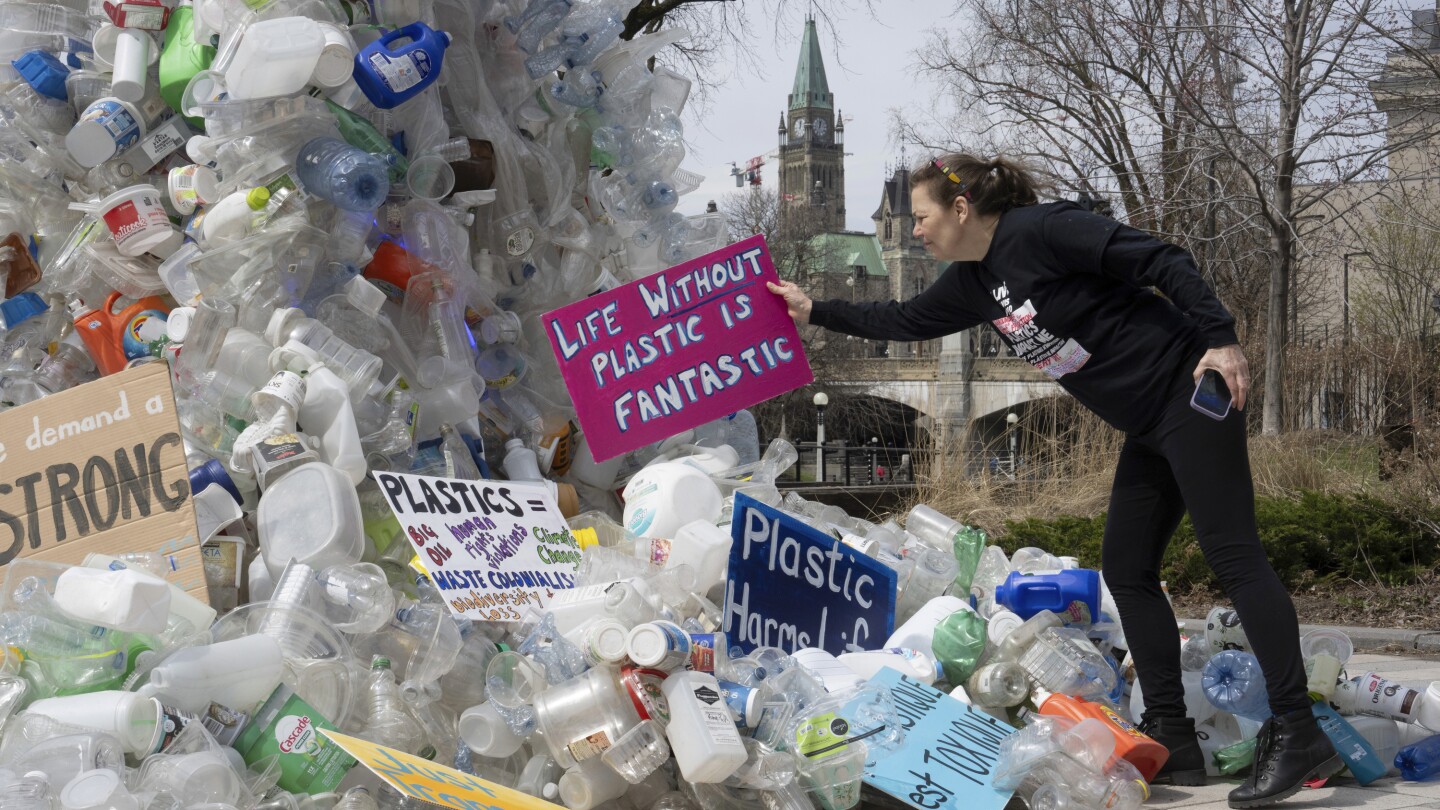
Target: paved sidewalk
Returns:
[1390, 793]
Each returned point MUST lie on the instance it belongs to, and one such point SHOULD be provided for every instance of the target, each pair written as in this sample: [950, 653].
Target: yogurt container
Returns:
[108, 127]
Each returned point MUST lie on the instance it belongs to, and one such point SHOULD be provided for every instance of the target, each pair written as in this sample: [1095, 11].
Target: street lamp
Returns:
[821, 399]
[1345, 291]
[1010, 421]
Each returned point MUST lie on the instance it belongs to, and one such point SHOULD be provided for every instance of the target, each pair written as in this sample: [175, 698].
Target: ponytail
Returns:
[991, 186]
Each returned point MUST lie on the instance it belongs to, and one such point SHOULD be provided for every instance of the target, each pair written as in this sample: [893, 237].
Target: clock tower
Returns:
[812, 142]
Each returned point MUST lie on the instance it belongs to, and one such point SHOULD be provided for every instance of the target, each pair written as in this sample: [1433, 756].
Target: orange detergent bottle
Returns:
[1130, 744]
[116, 339]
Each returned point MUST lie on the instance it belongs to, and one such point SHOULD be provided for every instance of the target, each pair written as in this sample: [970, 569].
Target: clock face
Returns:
[820, 127]
[799, 127]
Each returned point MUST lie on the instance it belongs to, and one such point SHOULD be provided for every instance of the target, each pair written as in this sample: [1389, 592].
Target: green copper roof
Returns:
[811, 89]
[843, 252]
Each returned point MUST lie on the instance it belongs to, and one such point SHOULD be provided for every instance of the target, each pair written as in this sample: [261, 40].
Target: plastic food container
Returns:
[136, 220]
[106, 128]
[311, 515]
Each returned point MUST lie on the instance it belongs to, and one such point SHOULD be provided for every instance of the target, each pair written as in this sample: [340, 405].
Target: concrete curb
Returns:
[1425, 642]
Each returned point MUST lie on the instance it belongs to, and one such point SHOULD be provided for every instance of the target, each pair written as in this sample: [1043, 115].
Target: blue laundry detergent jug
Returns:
[1072, 594]
[400, 65]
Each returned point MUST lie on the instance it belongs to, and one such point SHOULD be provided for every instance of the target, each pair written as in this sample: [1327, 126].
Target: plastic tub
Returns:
[136, 220]
[106, 128]
[192, 185]
[311, 515]
[275, 58]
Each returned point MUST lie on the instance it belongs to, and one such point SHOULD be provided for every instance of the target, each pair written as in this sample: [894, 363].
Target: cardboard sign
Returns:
[677, 349]
[494, 549]
[425, 780]
[792, 586]
[948, 758]
[100, 468]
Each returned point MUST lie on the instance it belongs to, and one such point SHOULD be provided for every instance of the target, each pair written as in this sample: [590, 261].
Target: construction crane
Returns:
[751, 173]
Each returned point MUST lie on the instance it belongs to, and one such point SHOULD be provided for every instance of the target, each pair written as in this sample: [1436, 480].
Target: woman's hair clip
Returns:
[954, 178]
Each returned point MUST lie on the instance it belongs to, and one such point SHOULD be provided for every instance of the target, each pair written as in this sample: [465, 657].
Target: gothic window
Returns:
[887, 227]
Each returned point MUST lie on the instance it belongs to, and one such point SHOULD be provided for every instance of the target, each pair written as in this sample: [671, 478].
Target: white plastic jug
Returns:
[663, 497]
[238, 674]
[126, 599]
[702, 732]
[312, 514]
[918, 632]
[275, 58]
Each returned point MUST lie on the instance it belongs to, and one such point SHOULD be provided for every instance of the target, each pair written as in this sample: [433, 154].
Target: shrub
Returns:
[1325, 536]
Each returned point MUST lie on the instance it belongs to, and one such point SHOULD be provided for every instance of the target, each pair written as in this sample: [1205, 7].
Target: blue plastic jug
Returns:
[1359, 757]
[1073, 595]
[1421, 760]
[390, 74]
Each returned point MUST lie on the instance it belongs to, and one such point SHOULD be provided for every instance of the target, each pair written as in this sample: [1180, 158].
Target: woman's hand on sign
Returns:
[797, 302]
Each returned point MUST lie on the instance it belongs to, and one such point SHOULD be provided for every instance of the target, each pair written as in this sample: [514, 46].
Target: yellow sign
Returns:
[437, 784]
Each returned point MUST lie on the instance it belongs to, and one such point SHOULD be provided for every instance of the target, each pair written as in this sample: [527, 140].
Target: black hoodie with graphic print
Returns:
[1071, 292]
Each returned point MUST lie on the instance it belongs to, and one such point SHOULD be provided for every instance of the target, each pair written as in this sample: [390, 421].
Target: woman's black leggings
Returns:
[1190, 462]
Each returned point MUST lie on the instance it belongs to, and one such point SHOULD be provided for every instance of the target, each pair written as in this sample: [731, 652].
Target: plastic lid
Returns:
[364, 295]
[256, 198]
[21, 308]
[178, 324]
[647, 645]
[44, 73]
[281, 322]
[608, 641]
[92, 789]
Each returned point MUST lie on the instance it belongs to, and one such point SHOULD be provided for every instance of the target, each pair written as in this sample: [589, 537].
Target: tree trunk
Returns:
[1273, 413]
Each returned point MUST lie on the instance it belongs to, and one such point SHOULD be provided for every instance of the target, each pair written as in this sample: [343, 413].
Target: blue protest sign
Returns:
[948, 758]
[793, 586]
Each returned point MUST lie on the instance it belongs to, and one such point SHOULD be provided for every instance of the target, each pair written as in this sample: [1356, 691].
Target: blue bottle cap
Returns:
[213, 472]
[21, 308]
[45, 74]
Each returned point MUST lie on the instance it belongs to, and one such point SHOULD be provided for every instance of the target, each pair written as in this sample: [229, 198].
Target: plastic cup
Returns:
[430, 178]
[97, 790]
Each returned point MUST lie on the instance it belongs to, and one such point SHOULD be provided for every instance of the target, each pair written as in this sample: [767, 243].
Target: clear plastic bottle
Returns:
[387, 721]
[1000, 684]
[1234, 683]
[350, 178]
[358, 368]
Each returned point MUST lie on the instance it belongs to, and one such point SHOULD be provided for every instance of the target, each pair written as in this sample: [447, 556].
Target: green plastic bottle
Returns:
[181, 59]
[1233, 759]
[959, 641]
[361, 134]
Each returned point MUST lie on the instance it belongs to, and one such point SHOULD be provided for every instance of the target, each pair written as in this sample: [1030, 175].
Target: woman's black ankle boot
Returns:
[1186, 765]
[1291, 750]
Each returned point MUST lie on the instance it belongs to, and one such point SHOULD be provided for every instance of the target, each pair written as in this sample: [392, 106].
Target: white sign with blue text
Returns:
[948, 759]
[793, 586]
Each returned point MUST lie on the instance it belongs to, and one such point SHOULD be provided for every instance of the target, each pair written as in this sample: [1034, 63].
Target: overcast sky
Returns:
[870, 71]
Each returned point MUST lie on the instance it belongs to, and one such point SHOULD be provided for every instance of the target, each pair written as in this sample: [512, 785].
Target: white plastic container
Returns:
[275, 58]
[1428, 715]
[100, 789]
[183, 606]
[312, 514]
[133, 718]
[701, 732]
[1382, 733]
[238, 674]
[663, 497]
[918, 632]
[1372, 694]
[136, 220]
[921, 666]
[336, 64]
[699, 544]
[486, 732]
[126, 599]
[192, 185]
[230, 219]
[106, 128]
[660, 645]
[326, 411]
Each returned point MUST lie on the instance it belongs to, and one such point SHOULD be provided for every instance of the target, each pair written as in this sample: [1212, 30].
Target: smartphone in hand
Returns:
[1212, 395]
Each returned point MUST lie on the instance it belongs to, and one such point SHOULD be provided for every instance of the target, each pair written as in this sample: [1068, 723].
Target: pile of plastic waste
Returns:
[336, 223]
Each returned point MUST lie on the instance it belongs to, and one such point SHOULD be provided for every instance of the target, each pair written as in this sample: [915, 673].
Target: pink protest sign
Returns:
[677, 349]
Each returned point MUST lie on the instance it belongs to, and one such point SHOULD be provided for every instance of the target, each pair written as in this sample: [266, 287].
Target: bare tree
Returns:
[1217, 123]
